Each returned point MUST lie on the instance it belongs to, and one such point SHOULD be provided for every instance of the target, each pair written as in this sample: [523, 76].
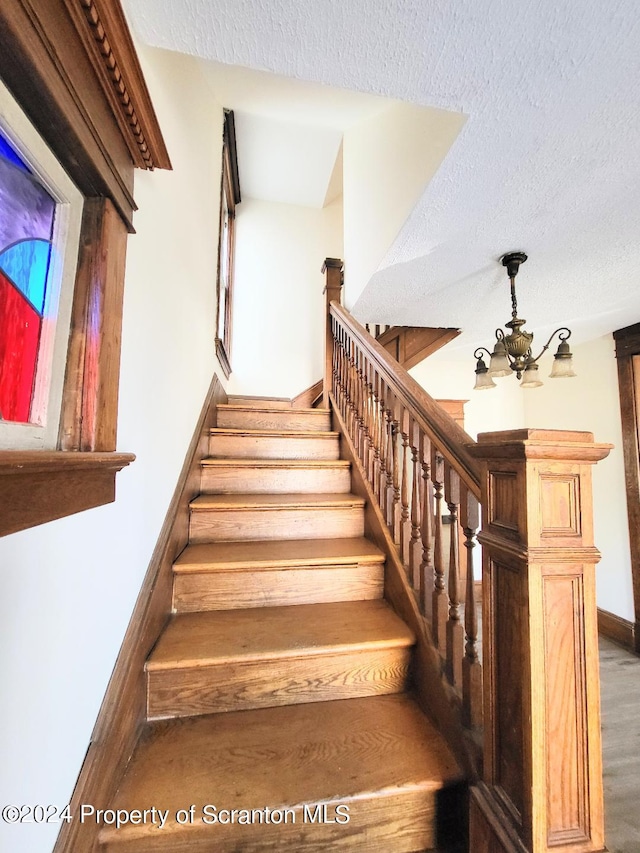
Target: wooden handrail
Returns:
[535, 695]
[452, 441]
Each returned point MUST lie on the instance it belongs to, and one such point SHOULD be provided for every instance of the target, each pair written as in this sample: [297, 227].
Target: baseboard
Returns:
[122, 714]
[617, 629]
[308, 398]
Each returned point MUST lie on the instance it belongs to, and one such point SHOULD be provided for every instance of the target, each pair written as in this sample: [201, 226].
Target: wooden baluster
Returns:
[455, 631]
[343, 376]
[396, 513]
[391, 459]
[439, 605]
[471, 666]
[364, 412]
[426, 530]
[415, 545]
[370, 432]
[361, 397]
[353, 422]
[375, 432]
[377, 331]
[383, 449]
[405, 524]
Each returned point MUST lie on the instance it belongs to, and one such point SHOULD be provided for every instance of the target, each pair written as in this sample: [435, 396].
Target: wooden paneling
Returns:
[123, 709]
[90, 400]
[628, 359]
[38, 486]
[542, 761]
[510, 765]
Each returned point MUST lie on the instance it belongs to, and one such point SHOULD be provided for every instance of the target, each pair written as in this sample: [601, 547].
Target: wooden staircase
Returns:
[280, 688]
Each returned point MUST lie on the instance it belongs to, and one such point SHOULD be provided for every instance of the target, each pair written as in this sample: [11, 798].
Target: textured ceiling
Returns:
[548, 161]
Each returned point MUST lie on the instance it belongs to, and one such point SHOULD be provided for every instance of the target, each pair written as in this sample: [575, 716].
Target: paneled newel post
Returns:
[542, 779]
[332, 268]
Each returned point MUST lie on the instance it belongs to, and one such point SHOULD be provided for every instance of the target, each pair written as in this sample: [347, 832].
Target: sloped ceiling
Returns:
[548, 160]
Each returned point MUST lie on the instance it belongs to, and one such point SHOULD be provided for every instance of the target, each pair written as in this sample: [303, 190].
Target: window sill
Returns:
[37, 486]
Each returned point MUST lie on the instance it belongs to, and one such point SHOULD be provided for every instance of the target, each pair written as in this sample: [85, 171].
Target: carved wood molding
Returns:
[103, 30]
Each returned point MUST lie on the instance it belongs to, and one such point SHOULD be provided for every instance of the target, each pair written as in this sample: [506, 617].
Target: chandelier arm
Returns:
[563, 335]
[481, 349]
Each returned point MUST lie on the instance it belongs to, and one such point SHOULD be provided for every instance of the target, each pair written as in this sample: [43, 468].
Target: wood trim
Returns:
[627, 355]
[38, 486]
[223, 358]
[308, 398]
[90, 397]
[616, 629]
[105, 36]
[410, 345]
[123, 711]
[72, 66]
[435, 696]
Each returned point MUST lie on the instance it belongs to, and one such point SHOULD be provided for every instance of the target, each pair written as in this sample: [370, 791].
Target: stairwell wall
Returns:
[69, 587]
[589, 402]
[277, 346]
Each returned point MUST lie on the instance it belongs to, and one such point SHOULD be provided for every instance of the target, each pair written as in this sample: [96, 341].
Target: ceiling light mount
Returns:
[512, 351]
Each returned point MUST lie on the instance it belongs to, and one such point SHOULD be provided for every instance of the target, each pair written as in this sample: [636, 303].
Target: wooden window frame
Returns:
[72, 67]
[229, 189]
[627, 342]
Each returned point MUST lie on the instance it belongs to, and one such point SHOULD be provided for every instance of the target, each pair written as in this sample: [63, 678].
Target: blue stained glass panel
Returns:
[9, 153]
[27, 265]
[26, 208]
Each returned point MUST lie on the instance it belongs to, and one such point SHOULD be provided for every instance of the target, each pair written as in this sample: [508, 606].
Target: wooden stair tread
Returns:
[277, 553]
[296, 500]
[275, 433]
[238, 407]
[286, 756]
[242, 462]
[214, 637]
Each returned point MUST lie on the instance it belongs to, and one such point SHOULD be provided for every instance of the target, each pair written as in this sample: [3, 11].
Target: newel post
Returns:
[541, 788]
[332, 268]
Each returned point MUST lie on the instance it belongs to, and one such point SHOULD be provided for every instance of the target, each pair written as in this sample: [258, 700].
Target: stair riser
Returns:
[285, 419]
[237, 686]
[274, 447]
[260, 402]
[237, 480]
[218, 590]
[397, 822]
[315, 523]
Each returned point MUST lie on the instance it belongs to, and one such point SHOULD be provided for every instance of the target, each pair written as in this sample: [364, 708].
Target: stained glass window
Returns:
[27, 213]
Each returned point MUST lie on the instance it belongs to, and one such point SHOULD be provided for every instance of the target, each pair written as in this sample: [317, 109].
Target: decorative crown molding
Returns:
[104, 32]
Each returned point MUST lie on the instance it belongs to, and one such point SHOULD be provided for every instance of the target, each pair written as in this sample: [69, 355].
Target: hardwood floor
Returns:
[620, 683]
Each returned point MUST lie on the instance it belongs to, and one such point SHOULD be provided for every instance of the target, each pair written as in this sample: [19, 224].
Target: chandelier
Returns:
[512, 352]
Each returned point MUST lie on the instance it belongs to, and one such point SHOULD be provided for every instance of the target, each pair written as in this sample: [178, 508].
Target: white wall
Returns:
[277, 346]
[388, 160]
[499, 408]
[68, 587]
[591, 402]
[588, 402]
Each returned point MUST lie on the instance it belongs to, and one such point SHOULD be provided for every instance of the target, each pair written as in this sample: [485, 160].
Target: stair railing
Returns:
[536, 692]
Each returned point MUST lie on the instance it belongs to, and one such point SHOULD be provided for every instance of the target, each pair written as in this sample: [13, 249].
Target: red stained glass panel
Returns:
[19, 339]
